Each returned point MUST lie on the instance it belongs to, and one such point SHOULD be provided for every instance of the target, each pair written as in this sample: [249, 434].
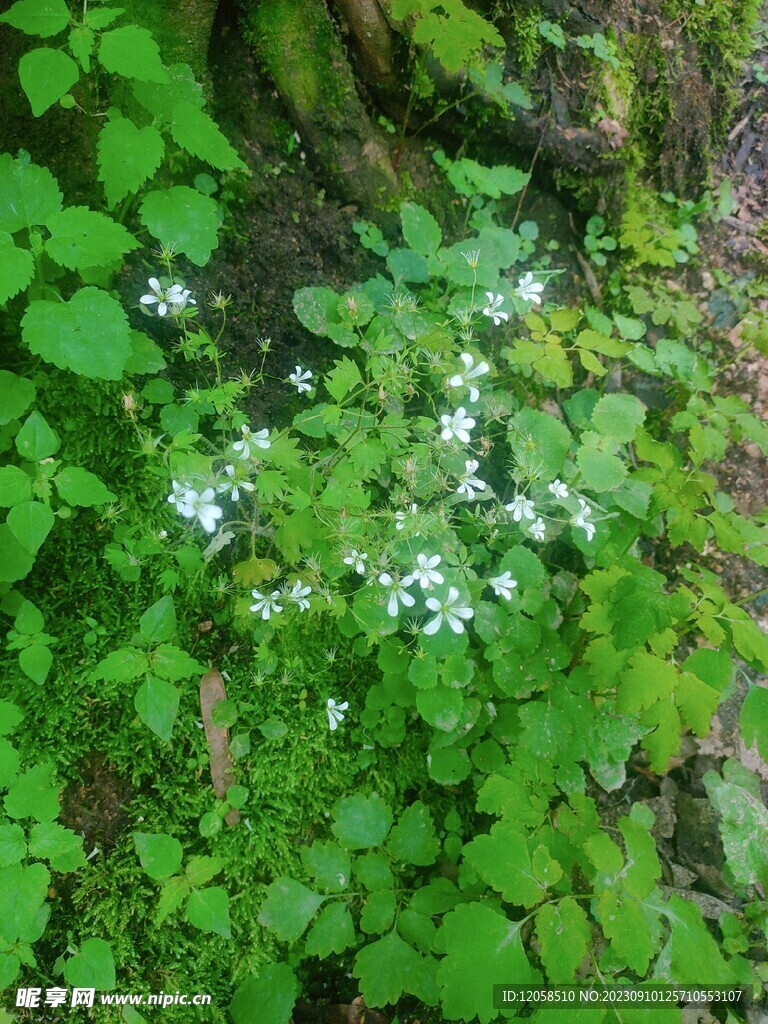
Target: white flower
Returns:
[191, 504]
[536, 529]
[492, 309]
[457, 425]
[172, 299]
[468, 483]
[334, 712]
[266, 605]
[558, 488]
[530, 290]
[234, 484]
[356, 558]
[397, 592]
[243, 447]
[401, 517]
[179, 490]
[580, 519]
[298, 595]
[503, 585]
[424, 573]
[300, 378]
[447, 612]
[470, 373]
[520, 506]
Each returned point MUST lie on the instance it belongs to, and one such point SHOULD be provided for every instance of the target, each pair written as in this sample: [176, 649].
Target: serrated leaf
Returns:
[266, 998]
[16, 395]
[77, 486]
[420, 229]
[361, 821]
[646, 680]
[46, 75]
[15, 486]
[92, 967]
[208, 910]
[694, 954]
[170, 662]
[184, 217]
[343, 379]
[146, 355]
[193, 130]
[33, 795]
[181, 87]
[288, 908]
[202, 869]
[82, 239]
[28, 194]
[390, 967]
[502, 860]
[36, 661]
[332, 932]
[642, 868]
[89, 334]
[158, 622]
[172, 895]
[17, 268]
[128, 156]
[61, 846]
[329, 865]
[157, 704]
[121, 665]
[42, 18]
[413, 838]
[564, 933]
[483, 949]
[160, 854]
[744, 830]
[632, 931]
[30, 522]
[618, 416]
[378, 912]
[132, 52]
[13, 848]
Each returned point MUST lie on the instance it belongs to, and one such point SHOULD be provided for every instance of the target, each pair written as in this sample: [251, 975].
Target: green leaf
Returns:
[343, 379]
[15, 486]
[171, 663]
[22, 895]
[647, 679]
[194, 131]
[267, 997]
[16, 396]
[36, 440]
[184, 217]
[33, 795]
[30, 523]
[449, 767]
[390, 967]
[332, 932]
[694, 952]
[17, 268]
[82, 239]
[643, 867]
[420, 229]
[601, 471]
[544, 438]
[502, 860]
[413, 838]
[172, 895]
[631, 930]
[754, 720]
[10, 716]
[15, 560]
[36, 661]
[618, 416]
[288, 908]
[482, 949]
[61, 846]
[316, 309]
[157, 703]
[328, 864]
[202, 869]
[132, 52]
[208, 910]
[160, 854]
[158, 622]
[42, 18]
[146, 355]
[13, 848]
[378, 912]
[121, 665]
[361, 821]
[29, 194]
[128, 156]
[564, 933]
[89, 334]
[743, 828]
[29, 619]
[77, 486]
[92, 967]
[46, 75]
